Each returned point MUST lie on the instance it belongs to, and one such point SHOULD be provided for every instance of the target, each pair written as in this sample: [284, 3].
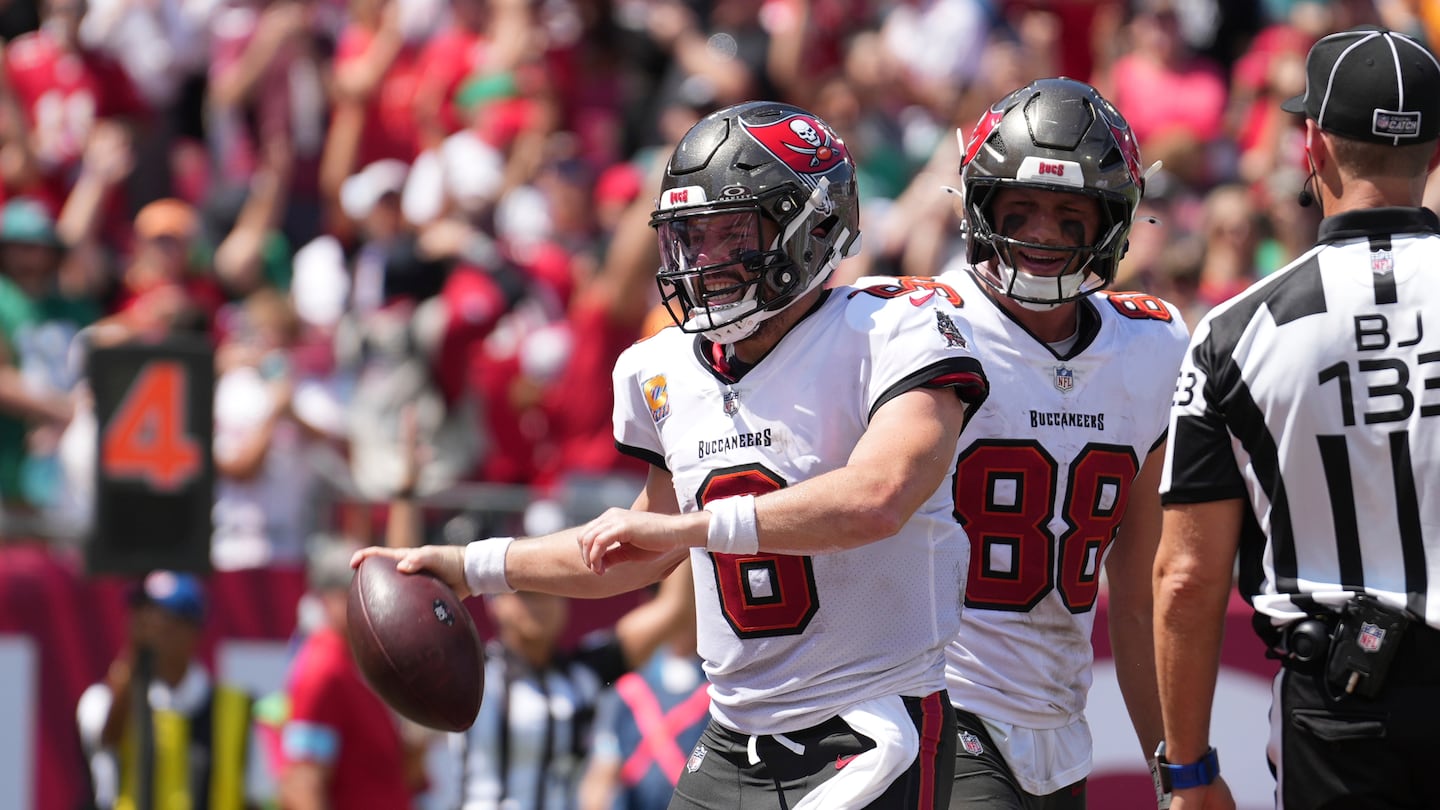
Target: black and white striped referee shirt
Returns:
[1315, 395]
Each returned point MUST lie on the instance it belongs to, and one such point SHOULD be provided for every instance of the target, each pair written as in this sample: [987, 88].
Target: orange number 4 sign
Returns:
[148, 438]
[154, 404]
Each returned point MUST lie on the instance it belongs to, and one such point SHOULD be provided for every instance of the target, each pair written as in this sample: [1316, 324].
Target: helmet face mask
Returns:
[1054, 135]
[757, 206]
[714, 267]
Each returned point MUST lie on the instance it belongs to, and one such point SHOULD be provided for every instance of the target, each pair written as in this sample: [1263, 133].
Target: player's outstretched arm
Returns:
[549, 564]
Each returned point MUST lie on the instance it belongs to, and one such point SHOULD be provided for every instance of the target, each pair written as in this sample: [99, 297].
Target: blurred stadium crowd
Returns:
[437, 208]
[439, 204]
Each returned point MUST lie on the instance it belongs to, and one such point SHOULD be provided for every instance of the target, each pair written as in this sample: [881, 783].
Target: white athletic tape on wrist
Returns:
[732, 526]
[485, 566]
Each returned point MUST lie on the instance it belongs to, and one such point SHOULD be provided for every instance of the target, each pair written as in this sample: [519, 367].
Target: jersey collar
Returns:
[721, 361]
[1376, 222]
[1088, 328]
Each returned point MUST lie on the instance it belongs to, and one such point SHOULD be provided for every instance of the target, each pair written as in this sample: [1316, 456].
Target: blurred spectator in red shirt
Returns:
[1232, 231]
[1174, 99]
[605, 315]
[160, 288]
[1271, 70]
[483, 37]
[342, 746]
[376, 69]
[375, 73]
[1086, 25]
[63, 90]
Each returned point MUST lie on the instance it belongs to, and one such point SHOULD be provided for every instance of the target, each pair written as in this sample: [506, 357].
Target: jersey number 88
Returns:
[1005, 497]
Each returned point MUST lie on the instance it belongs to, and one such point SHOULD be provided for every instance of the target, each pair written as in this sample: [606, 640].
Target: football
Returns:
[416, 645]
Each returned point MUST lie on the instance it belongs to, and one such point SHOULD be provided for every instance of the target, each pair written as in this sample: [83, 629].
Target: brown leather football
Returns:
[416, 644]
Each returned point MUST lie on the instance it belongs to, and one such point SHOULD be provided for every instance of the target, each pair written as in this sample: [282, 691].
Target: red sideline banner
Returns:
[59, 631]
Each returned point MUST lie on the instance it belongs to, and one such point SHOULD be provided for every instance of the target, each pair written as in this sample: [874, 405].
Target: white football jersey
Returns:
[790, 641]
[1043, 478]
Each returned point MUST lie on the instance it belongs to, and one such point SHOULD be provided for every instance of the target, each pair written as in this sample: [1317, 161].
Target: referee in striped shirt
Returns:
[1305, 438]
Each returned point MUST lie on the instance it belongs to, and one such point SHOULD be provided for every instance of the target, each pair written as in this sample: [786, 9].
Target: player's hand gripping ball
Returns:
[416, 645]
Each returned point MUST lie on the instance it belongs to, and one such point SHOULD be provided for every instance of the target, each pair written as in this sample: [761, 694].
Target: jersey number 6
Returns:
[761, 594]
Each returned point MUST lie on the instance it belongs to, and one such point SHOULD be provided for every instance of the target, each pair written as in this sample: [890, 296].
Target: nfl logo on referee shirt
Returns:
[1064, 378]
[1382, 262]
[1371, 637]
[732, 402]
[971, 744]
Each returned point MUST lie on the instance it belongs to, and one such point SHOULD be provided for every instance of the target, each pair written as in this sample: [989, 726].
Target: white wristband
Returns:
[732, 526]
[485, 566]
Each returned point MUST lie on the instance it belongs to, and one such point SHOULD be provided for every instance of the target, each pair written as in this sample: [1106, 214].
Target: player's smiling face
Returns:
[1064, 219]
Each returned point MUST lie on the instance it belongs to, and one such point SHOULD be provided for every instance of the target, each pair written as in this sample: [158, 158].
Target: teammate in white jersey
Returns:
[1058, 472]
[798, 437]
[1305, 442]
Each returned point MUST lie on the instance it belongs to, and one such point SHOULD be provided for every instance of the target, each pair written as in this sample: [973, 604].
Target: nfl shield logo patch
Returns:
[971, 744]
[1371, 637]
[696, 757]
[1064, 378]
[1382, 262]
[732, 402]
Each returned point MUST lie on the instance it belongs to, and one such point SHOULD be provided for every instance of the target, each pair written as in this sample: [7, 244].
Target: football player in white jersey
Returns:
[798, 437]
[1058, 472]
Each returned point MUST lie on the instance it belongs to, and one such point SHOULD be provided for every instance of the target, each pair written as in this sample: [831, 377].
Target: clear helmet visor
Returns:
[710, 267]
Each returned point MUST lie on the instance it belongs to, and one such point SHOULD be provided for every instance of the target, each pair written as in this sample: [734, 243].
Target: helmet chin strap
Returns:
[726, 334]
[1053, 290]
[1035, 306]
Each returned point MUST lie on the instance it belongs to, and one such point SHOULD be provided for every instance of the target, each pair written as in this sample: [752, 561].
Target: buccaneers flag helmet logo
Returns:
[800, 142]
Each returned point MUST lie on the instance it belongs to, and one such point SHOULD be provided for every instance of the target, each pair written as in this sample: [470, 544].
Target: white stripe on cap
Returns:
[1399, 84]
[1417, 46]
[1335, 68]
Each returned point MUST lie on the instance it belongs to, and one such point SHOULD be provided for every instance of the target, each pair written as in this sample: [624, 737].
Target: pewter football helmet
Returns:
[1053, 135]
[758, 204]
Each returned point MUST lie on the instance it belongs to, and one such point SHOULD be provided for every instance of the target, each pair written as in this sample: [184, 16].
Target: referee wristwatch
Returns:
[1194, 774]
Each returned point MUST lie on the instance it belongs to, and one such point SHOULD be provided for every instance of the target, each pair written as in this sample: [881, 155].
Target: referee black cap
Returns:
[1373, 85]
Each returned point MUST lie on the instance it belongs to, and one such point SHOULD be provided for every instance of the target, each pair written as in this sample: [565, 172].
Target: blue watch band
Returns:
[1195, 774]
